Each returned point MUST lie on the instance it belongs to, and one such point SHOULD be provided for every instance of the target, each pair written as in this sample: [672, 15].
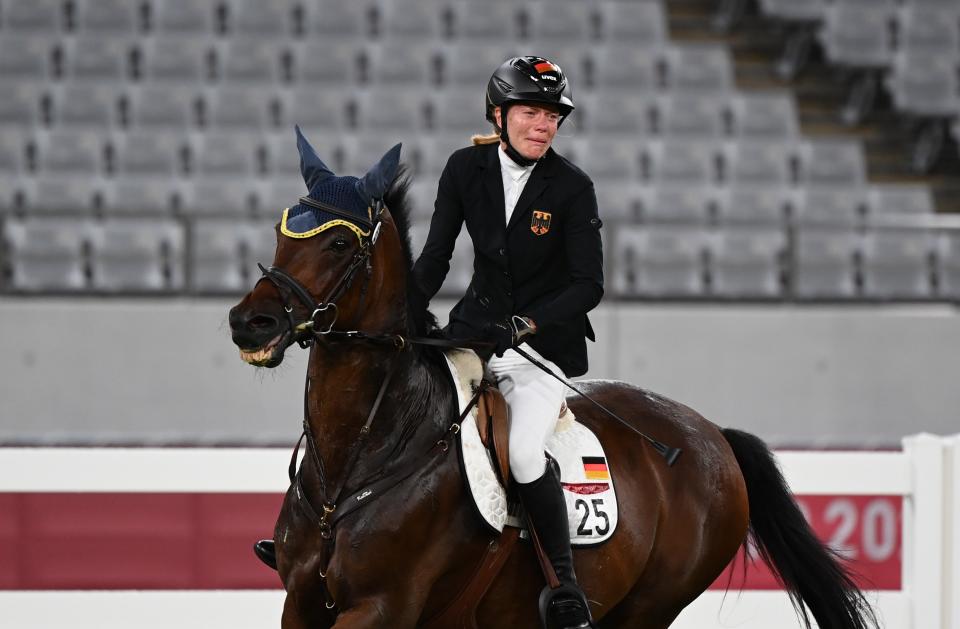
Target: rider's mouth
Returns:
[266, 355]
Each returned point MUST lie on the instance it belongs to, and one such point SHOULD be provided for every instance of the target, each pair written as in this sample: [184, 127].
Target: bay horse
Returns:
[379, 413]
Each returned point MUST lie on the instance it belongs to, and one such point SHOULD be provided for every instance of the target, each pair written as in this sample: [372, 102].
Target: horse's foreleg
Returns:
[381, 612]
[296, 616]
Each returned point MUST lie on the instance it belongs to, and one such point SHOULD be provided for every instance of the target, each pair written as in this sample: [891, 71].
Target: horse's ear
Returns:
[374, 184]
[312, 168]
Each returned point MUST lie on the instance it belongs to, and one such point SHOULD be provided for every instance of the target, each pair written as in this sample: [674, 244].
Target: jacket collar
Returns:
[539, 179]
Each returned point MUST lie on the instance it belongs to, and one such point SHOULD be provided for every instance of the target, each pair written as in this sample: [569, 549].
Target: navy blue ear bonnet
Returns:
[332, 200]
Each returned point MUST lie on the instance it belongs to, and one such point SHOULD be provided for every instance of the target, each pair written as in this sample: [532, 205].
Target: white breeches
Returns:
[534, 399]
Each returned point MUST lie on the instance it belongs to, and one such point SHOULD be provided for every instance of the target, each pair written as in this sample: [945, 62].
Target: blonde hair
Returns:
[489, 138]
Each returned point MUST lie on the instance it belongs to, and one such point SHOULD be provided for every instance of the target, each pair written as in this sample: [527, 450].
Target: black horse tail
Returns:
[811, 572]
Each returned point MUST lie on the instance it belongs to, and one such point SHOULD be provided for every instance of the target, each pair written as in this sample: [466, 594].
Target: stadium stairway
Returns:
[821, 91]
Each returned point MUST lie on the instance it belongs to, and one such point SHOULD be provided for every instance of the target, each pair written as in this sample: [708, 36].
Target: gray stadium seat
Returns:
[423, 192]
[251, 62]
[391, 110]
[86, 105]
[771, 114]
[403, 20]
[401, 63]
[364, 149]
[568, 24]
[924, 84]
[605, 114]
[859, 34]
[759, 162]
[483, 58]
[436, 148]
[261, 246]
[687, 204]
[36, 17]
[314, 109]
[182, 60]
[142, 194]
[461, 263]
[690, 115]
[931, 29]
[184, 18]
[622, 200]
[61, 193]
[335, 19]
[146, 153]
[25, 58]
[46, 254]
[616, 159]
[831, 162]
[227, 154]
[21, 104]
[175, 107]
[623, 68]
[326, 64]
[71, 152]
[283, 160]
[830, 205]
[752, 204]
[747, 262]
[98, 58]
[687, 161]
[140, 255]
[223, 178]
[635, 23]
[824, 263]
[248, 108]
[896, 264]
[107, 17]
[281, 192]
[701, 67]
[457, 111]
[255, 19]
[227, 195]
[217, 256]
[794, 10]
[658, 261]
[899, 200]
[948, 264]
[494, 24]
[13, 167]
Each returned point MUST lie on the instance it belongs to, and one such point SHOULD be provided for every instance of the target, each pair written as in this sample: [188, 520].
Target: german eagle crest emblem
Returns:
[540, 223]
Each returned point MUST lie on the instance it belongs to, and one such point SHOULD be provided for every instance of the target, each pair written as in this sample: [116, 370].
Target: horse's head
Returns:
[339, 264]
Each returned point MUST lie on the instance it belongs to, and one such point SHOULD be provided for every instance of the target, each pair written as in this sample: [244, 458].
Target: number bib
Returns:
[584, 473]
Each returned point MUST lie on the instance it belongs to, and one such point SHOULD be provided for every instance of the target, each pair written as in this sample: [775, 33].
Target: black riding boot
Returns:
[266, 551]
[566, 608]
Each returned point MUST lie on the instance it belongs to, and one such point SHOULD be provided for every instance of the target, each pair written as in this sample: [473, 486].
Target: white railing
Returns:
[926, 473]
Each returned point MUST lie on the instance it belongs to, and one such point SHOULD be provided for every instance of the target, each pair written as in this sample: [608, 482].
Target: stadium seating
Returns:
[136, 256]
[897, 264]
[747, 263]
[46, 255]
[660, 261]
[824, 263]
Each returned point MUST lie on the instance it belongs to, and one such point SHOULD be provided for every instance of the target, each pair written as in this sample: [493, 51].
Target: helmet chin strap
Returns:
[512, 152]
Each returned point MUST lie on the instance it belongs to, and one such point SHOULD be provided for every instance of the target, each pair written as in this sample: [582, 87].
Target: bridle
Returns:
[310, 329]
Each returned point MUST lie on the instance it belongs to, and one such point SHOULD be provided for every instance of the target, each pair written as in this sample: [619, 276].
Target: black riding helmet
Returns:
[526, 80]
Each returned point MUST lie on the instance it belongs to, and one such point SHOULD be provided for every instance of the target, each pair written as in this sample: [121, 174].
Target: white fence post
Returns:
[924, 535]
[951, 549]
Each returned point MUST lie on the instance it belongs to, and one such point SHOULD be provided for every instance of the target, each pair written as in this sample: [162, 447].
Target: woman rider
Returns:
[532, 217]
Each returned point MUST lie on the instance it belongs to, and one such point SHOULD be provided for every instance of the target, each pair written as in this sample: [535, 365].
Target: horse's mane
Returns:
[397, 200]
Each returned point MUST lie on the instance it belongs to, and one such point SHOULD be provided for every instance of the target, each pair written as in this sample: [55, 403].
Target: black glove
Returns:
[508, 333]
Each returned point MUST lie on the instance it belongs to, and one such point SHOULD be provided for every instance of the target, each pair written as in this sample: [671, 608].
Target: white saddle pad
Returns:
[584, 474]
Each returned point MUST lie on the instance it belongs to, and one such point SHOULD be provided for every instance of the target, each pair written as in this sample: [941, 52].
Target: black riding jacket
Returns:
[547, 264]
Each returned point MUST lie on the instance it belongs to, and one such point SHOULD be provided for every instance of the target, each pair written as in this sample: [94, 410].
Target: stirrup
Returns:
[572, 596]
[266, 552]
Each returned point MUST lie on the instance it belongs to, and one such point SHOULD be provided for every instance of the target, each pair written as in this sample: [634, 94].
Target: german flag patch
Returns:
[540, 223]
[595, 468]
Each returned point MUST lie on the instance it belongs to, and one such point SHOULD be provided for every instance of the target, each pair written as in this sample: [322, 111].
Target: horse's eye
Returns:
[339, 244]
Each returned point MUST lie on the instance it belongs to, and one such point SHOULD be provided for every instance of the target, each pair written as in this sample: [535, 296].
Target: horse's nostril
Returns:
[262, 322]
